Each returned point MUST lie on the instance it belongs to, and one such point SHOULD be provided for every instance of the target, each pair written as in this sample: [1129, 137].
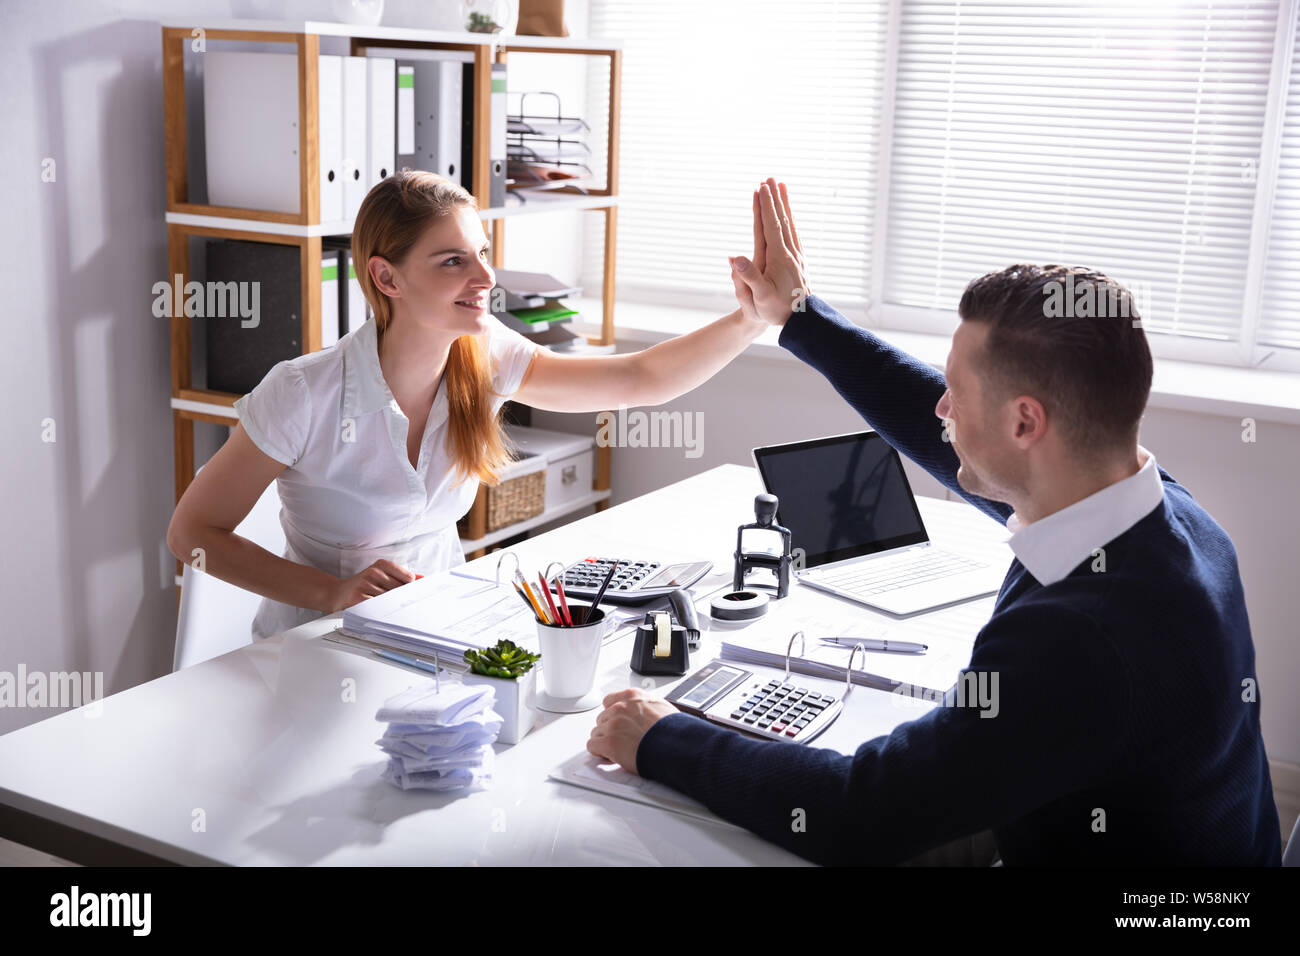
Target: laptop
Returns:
[849, 506]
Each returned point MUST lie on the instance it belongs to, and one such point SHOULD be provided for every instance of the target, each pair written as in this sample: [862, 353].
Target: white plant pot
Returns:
[516, 702]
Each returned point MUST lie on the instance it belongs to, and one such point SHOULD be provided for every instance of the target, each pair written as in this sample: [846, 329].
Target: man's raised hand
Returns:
[773, 284]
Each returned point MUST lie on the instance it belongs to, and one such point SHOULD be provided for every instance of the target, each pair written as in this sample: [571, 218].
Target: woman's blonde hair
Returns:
[394, 215]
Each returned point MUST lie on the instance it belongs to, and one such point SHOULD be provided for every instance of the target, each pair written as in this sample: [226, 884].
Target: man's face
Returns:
[977, 425]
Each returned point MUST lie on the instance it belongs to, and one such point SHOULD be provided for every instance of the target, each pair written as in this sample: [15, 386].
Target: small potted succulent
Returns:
[490, 16]
[508, 669]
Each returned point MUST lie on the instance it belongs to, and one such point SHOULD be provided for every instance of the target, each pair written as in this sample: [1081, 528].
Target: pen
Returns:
[564, 605]
[874, 644]
[549, 603]
[411, 661]
[609, 576]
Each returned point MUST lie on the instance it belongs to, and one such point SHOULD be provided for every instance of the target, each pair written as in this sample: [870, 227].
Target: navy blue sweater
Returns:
[1128, 728]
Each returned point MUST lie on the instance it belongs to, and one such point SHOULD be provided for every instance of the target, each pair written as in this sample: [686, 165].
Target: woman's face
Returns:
[445, 279]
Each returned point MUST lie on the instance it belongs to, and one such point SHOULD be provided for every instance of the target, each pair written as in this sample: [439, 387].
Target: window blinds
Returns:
[1117, 135]
[1279, 323]
[718, 96]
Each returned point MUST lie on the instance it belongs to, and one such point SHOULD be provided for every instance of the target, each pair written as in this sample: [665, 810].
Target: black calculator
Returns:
[635, 582]
[774, 709]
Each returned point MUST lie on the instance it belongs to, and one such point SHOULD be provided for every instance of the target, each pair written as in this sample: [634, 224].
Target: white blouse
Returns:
[349, 495]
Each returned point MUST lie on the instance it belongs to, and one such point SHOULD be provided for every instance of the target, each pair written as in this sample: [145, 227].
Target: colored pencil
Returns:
[532, 599]
[564, 605]
[549, 603]
[523, 597]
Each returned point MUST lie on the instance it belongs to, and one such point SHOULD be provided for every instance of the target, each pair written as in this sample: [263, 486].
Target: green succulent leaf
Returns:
[506, 660]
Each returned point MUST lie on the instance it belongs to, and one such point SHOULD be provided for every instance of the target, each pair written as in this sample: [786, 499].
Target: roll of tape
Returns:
[738, 606]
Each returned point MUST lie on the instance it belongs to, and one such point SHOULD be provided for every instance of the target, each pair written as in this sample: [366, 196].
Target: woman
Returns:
[379, 443]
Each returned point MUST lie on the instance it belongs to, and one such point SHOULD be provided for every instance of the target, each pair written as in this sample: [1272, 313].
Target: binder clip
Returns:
[663, 646]
[746, 561]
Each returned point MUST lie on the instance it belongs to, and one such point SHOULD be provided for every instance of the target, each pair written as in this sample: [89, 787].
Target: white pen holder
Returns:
[569, 659]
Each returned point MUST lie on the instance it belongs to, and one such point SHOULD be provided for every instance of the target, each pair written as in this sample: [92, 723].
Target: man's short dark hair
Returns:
[1071, 338]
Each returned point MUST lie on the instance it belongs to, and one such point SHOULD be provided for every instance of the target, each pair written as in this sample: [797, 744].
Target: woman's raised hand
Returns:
[772, 285]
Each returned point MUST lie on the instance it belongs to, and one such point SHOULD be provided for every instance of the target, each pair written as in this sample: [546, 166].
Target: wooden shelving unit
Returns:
[186, 219]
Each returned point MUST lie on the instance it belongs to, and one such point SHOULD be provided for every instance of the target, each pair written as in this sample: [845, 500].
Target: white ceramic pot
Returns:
[516, 702]
[366, 13]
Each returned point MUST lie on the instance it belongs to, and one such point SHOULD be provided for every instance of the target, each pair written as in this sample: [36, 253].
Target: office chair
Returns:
[216, 617]
[1291, 855]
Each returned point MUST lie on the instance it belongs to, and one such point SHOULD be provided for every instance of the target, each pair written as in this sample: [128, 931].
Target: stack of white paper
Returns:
[440, 739]
[444, 614]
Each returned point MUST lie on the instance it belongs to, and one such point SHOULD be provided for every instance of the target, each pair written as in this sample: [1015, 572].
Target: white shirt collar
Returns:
[1052, 547]
[364, 388]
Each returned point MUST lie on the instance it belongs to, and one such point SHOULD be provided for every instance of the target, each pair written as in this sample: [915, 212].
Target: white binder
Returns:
[381, 89]
[329, 298]
[405, 115]
[439, 84]
[250, 121]
[497, 139]
[329, 74]
[355, 100]
[439, 95]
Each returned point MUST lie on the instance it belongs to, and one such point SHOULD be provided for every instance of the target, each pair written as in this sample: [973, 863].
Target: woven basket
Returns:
[515, 500]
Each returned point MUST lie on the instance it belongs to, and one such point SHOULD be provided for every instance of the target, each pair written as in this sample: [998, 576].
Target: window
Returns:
[929, 142]
[719, 96]
[1279, 324]
[1120, 136]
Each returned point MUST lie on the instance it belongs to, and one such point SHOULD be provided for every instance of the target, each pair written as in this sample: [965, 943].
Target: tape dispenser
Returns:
[662, 645]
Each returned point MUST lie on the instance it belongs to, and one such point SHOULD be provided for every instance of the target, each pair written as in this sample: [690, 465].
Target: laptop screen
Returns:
[841, 497]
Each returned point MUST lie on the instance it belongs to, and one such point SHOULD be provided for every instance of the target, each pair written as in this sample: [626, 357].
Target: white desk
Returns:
[262, 749]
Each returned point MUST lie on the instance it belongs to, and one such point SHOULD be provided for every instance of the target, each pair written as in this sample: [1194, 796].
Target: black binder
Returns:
[239, 357]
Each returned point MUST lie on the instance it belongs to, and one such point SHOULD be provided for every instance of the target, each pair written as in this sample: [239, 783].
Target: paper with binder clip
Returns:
[949, 634]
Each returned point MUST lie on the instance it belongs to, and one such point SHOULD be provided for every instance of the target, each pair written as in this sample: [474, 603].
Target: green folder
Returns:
[544, 313]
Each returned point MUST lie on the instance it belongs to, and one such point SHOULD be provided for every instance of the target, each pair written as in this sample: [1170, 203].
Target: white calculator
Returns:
[773, 709]
[635, 582]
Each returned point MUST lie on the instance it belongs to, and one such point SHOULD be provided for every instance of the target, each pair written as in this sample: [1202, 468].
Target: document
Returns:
[446, 613]
[948, 633]
[590, 772]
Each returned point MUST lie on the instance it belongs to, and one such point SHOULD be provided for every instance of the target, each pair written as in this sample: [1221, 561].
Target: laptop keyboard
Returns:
[899, 571]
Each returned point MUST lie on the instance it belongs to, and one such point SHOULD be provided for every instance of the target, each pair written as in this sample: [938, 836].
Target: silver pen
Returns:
[876, 644]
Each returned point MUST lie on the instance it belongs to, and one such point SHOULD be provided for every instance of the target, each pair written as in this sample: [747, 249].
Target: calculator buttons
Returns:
[778, 710]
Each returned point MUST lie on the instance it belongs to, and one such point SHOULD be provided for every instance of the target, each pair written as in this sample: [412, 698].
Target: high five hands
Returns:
[773, 284]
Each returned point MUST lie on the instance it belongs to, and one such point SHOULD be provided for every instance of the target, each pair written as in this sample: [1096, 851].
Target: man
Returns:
[1128, 727]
